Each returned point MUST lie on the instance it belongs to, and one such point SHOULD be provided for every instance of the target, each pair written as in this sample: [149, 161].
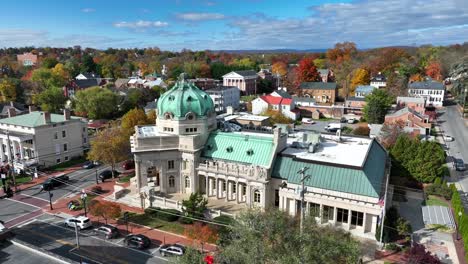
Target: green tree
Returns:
[110, 146]
[191, 256]
[194, 206]
[132, 118]
[49, 62]
[377, 105]
[52, 100]
[274, 237]
[96, 103]
[7, 90]
[88, 64]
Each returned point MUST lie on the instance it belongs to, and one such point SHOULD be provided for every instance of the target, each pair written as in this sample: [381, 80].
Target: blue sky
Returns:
[232, 24]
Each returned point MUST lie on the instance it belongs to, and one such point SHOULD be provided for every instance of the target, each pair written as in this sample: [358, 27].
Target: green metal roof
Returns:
[33, 119]
[183, 98]
[318, 85]
[239, 148]
[366, 181]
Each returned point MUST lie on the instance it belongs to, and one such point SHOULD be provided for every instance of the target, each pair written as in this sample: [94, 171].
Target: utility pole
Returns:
[77, 234]
[83, 199]
[303, 178]
[97, 182]
[50, 198]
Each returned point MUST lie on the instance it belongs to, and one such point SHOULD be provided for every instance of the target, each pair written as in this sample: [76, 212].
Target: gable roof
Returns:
[366, 89]
[379, 78]
[407, 99]
[366, 180]
[34, 119]
[318, 85]
[239, 147]
[275, 100]
[323, 71]
[247, 73]
[282, 93]
[86, 83]
[19, 108]
[431, 85]
[89, 75]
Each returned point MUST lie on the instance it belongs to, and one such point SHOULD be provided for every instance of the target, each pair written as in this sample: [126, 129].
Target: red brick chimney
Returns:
[46, 117]
[32, 108]
[11, 112]
[66, 114]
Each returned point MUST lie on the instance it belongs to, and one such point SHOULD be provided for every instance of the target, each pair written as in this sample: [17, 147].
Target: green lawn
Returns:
[248, 98]
[146, 220]
[127, 178]
[434, 200]
[19, 180]
[65, 165]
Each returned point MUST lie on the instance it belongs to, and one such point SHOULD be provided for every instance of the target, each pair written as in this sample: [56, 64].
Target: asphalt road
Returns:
[453, 125]
[49, 233]
[11, 254]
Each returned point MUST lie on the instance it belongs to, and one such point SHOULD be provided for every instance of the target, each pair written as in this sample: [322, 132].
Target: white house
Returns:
[432, 92]
[379, 81]
[156, 82]
[246, 81]
[42, 138]
[224, 96]
[283, 105]
[87, 76]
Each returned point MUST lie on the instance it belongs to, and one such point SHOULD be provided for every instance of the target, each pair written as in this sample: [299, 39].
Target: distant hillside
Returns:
[272, 51]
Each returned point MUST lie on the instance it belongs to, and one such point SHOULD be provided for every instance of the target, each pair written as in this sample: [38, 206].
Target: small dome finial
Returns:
[182, 77]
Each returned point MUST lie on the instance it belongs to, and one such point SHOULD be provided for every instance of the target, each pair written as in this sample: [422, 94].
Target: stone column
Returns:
[8, 149]
[364, 222]
[13, 144]
[218, 188]
[374, 224]
[163, 177]
[210, 187]
[238, 191]
[21, 149]
[248, 194]
[320, 214]
[335, 215]
[2, 154]
[138, 175]
[207, 186]
[229, 191]
[349, 219]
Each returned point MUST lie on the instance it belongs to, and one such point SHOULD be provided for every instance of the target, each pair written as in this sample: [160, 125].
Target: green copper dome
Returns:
[184, 98]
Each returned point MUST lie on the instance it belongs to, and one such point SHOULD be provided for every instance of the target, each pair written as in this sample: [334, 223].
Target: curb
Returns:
[41, 251]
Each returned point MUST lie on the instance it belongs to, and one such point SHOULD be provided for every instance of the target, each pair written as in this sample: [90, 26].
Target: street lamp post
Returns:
[83, 198]
[97, 182]
[303, 178]
[458, 226]
[50, 199]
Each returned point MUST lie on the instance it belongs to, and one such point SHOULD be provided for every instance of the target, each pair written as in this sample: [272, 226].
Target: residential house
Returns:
[419, 123]
[322, 92]
[136, 82]
[224, 96]
[246, 81]
[417, 104]
[281, 92]
[153, 76]
[87, 76]
[358, 101]
[27, 59]
[205, 83]
[303, 101]
[379, 81]
[12, 109]
[156, 82]
[42, 138]
[121, 83]
[432, 92]
[326, 75]
[151, 106]
[184, 153]
[74, 86]
[284, 105]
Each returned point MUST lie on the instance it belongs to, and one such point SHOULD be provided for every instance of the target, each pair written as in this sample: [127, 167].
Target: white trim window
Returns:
[257, 196]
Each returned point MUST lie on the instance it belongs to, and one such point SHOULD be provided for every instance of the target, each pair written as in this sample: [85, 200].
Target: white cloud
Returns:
[88, 10]
[141, 24]
[200, 16]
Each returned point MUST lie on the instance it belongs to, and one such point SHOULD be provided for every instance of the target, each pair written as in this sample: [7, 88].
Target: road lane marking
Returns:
[21, 222]
[154, 251]
[27, 222]
[23, 203]
[20, 216]
[32, 196]
[95, 237]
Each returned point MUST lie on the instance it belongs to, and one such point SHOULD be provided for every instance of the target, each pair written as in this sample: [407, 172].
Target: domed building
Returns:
[184, 152]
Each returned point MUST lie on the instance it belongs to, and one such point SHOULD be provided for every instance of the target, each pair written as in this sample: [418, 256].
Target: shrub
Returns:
[97, 189]
[361, 131]
[440, 189]
[392, 246]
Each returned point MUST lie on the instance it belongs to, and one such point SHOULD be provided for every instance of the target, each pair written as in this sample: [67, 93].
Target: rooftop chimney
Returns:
[11, 112]
[229, 110]
[32, 108]
[66, 114]
[12, 104]
[46, 117]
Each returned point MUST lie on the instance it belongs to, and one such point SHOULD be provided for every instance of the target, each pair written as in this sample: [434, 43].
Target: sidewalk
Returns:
[158, 237]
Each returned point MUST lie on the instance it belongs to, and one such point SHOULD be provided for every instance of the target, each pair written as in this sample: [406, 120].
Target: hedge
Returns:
[461, 221]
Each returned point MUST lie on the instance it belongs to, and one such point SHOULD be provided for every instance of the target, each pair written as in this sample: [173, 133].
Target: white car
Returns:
[308, 121]
[448, 138]
[82, 222]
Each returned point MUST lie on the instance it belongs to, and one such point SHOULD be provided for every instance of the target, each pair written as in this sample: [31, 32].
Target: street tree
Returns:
[111, 211]
[88, 64]
[96, 103]
[51, 99]
[132, 118]
[377, 105]
[201, 234]
[360, 77]
[96, 208]
[194, 207]
[274, 237]
[7, 90]
[110, 146]
[306, 71]
[434, 70]
[279, 68]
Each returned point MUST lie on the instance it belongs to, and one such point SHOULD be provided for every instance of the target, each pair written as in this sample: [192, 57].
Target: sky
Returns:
[232, 24]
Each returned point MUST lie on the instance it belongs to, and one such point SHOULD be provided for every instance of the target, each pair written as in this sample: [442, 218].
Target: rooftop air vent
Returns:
[229, 149]
[250, 152]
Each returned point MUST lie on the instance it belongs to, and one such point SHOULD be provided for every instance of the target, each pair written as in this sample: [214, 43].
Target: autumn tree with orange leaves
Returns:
[341, 52]
[279, 68]
[201, 234]
[306, 71]
[434, 70]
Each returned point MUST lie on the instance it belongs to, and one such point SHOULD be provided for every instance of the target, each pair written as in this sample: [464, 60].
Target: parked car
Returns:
[343, 120]
[308, 121]
[52, 182]
[459, 165]
[82, 222]
[109, 231]
[137, 241]
[448, 138]
[171, 250]
[352, 120]
[107, 174]
[88, 165]
[333, 127]
[128, 164]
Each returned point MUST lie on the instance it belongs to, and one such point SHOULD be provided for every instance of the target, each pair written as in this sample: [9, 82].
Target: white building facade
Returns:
[224, 96]
[432, 92]
[246, 81]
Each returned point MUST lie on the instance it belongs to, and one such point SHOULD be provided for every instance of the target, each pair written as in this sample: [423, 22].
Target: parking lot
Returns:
[50, 233]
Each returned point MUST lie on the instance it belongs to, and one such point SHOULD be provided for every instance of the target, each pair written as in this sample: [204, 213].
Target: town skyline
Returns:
[226, 25]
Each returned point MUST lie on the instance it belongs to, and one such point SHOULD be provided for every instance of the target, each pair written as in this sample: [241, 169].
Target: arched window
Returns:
[187, 182]
[190, 116]
[257, 196]
[171, 181]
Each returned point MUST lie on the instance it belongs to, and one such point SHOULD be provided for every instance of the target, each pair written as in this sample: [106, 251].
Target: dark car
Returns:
[343, 120]
[107, 174]
[128, 164]
[459, 165]
[108, 231]
[171, 250]
[88, 165]
[50, 183]
[137, 241]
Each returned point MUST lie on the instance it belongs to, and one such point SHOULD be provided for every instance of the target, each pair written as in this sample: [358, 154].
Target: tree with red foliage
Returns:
[434, 70]
[201, 233]
[417, 254]
[111, 211]
[306, 71]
